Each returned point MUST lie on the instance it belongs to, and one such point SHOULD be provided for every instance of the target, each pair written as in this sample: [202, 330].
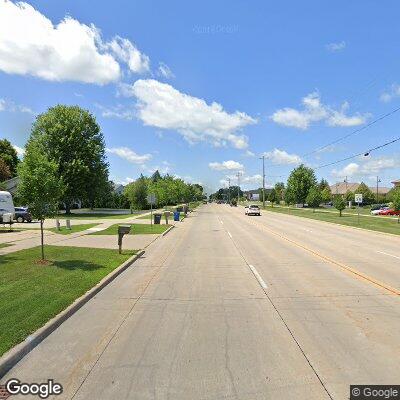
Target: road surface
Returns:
[234, 307]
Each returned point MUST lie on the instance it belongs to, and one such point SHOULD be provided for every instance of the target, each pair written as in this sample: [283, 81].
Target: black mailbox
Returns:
[122, 230]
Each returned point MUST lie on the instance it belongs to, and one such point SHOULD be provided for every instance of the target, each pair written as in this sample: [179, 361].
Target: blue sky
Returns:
[202, 90]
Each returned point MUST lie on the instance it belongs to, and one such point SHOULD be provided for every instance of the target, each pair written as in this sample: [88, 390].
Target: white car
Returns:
[378, 211]
[252, 210]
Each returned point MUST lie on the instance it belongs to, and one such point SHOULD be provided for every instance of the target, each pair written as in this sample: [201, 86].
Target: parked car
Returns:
[389, 211]
[252, 210]
[379, 210]
[22, 214]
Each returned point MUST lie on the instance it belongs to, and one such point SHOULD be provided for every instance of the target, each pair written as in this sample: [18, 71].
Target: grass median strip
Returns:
[32, 293]
[136, 229]
[94, 216]
[389, 225]
[74, 229]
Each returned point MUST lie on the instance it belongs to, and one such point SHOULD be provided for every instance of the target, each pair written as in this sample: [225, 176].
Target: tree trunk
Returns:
[67, 208]
[42, 238]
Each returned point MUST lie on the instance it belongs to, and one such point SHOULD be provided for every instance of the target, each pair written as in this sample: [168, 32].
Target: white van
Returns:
[6, 205]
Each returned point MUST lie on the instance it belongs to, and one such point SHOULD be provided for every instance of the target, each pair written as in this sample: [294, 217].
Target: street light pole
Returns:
[263, 188]
[238, 176]
[377, 189]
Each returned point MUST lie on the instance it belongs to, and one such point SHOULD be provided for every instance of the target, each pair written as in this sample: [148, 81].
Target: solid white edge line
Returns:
[222, 222]
[257, 275]
[387, 254]
[229, 234]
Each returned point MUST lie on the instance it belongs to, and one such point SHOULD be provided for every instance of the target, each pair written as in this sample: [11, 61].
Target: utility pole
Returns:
[229, 190]
[377, 189]
[263, 188]
[238, 176]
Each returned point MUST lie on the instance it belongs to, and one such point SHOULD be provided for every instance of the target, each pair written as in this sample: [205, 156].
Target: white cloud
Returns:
[10, 106]
[70, 51]
[20, 151]
[165, 71]
[281, 157]
[124, 50]
[245, 180]
[129, 155]
[391, 93]
[229, 165]
[315, 111]
[249, 153]
[119, 111]
[162, 106]
[368, 166]
[334, 47]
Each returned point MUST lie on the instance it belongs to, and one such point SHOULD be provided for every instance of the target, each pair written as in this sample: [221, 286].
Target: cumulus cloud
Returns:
[20, 151]
[165, 71]
[129, 155]
[124, 50]
[281, 157]
[162, 106]
[391, 93]
[226, 166]
[119, 111]
[314, 111]
[367, 167]
[30, 44]
[10, 106]
[335, 47]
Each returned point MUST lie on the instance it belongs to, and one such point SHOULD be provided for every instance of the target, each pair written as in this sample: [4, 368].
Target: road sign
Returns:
[151, 199]
[358, 198]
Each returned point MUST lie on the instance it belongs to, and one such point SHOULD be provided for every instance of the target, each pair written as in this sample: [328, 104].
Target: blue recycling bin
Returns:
[176, 215]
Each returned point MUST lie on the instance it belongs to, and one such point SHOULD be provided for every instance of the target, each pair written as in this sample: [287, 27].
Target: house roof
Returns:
[343, 188]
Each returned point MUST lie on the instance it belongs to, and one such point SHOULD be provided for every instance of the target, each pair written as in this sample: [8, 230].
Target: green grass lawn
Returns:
[31, 293]
[2, 245]
[388, 225]
[74, 229]
[94, 216]
[136, 229]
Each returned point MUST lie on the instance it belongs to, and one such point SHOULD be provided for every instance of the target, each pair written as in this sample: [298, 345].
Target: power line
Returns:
[365, 153]
[353, 132]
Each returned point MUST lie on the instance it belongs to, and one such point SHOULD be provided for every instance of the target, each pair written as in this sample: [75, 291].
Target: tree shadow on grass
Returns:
[77, 264]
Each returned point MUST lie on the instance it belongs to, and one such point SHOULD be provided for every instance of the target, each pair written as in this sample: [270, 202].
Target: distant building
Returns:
[11, 185]
[252, 194]
[343, 187]
[119, 189]
[396, 183]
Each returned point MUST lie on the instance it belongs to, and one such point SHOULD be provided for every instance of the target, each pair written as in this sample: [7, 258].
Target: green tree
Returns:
[288, 197]
[349, 196]
[273, 197]
[300, 181]
[368, 196]
[396, 202]
[326, 195]
[5, 172]
[314, 197]
[323, 185]
[280, 190]
[71, 138]
[40, 187]
[136, 192]
[9, 155]
[339, 204]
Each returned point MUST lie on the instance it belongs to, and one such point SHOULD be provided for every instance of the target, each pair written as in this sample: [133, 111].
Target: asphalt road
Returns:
[234, 307]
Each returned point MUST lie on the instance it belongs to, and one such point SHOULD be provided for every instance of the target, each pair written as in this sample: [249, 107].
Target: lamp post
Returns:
[263, 176]
[377, 189]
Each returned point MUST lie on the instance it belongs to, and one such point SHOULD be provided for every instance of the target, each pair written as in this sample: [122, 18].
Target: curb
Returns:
[14, 355]
[168, 230]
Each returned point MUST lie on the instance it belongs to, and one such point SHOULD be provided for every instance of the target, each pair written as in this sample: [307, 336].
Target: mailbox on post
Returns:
[122, 230]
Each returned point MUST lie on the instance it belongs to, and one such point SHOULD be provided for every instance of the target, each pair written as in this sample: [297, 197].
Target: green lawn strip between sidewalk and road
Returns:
[94, 216]
[388, 225]
[136, 229]
[32, 293]
[74, 229]
[2, 245]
